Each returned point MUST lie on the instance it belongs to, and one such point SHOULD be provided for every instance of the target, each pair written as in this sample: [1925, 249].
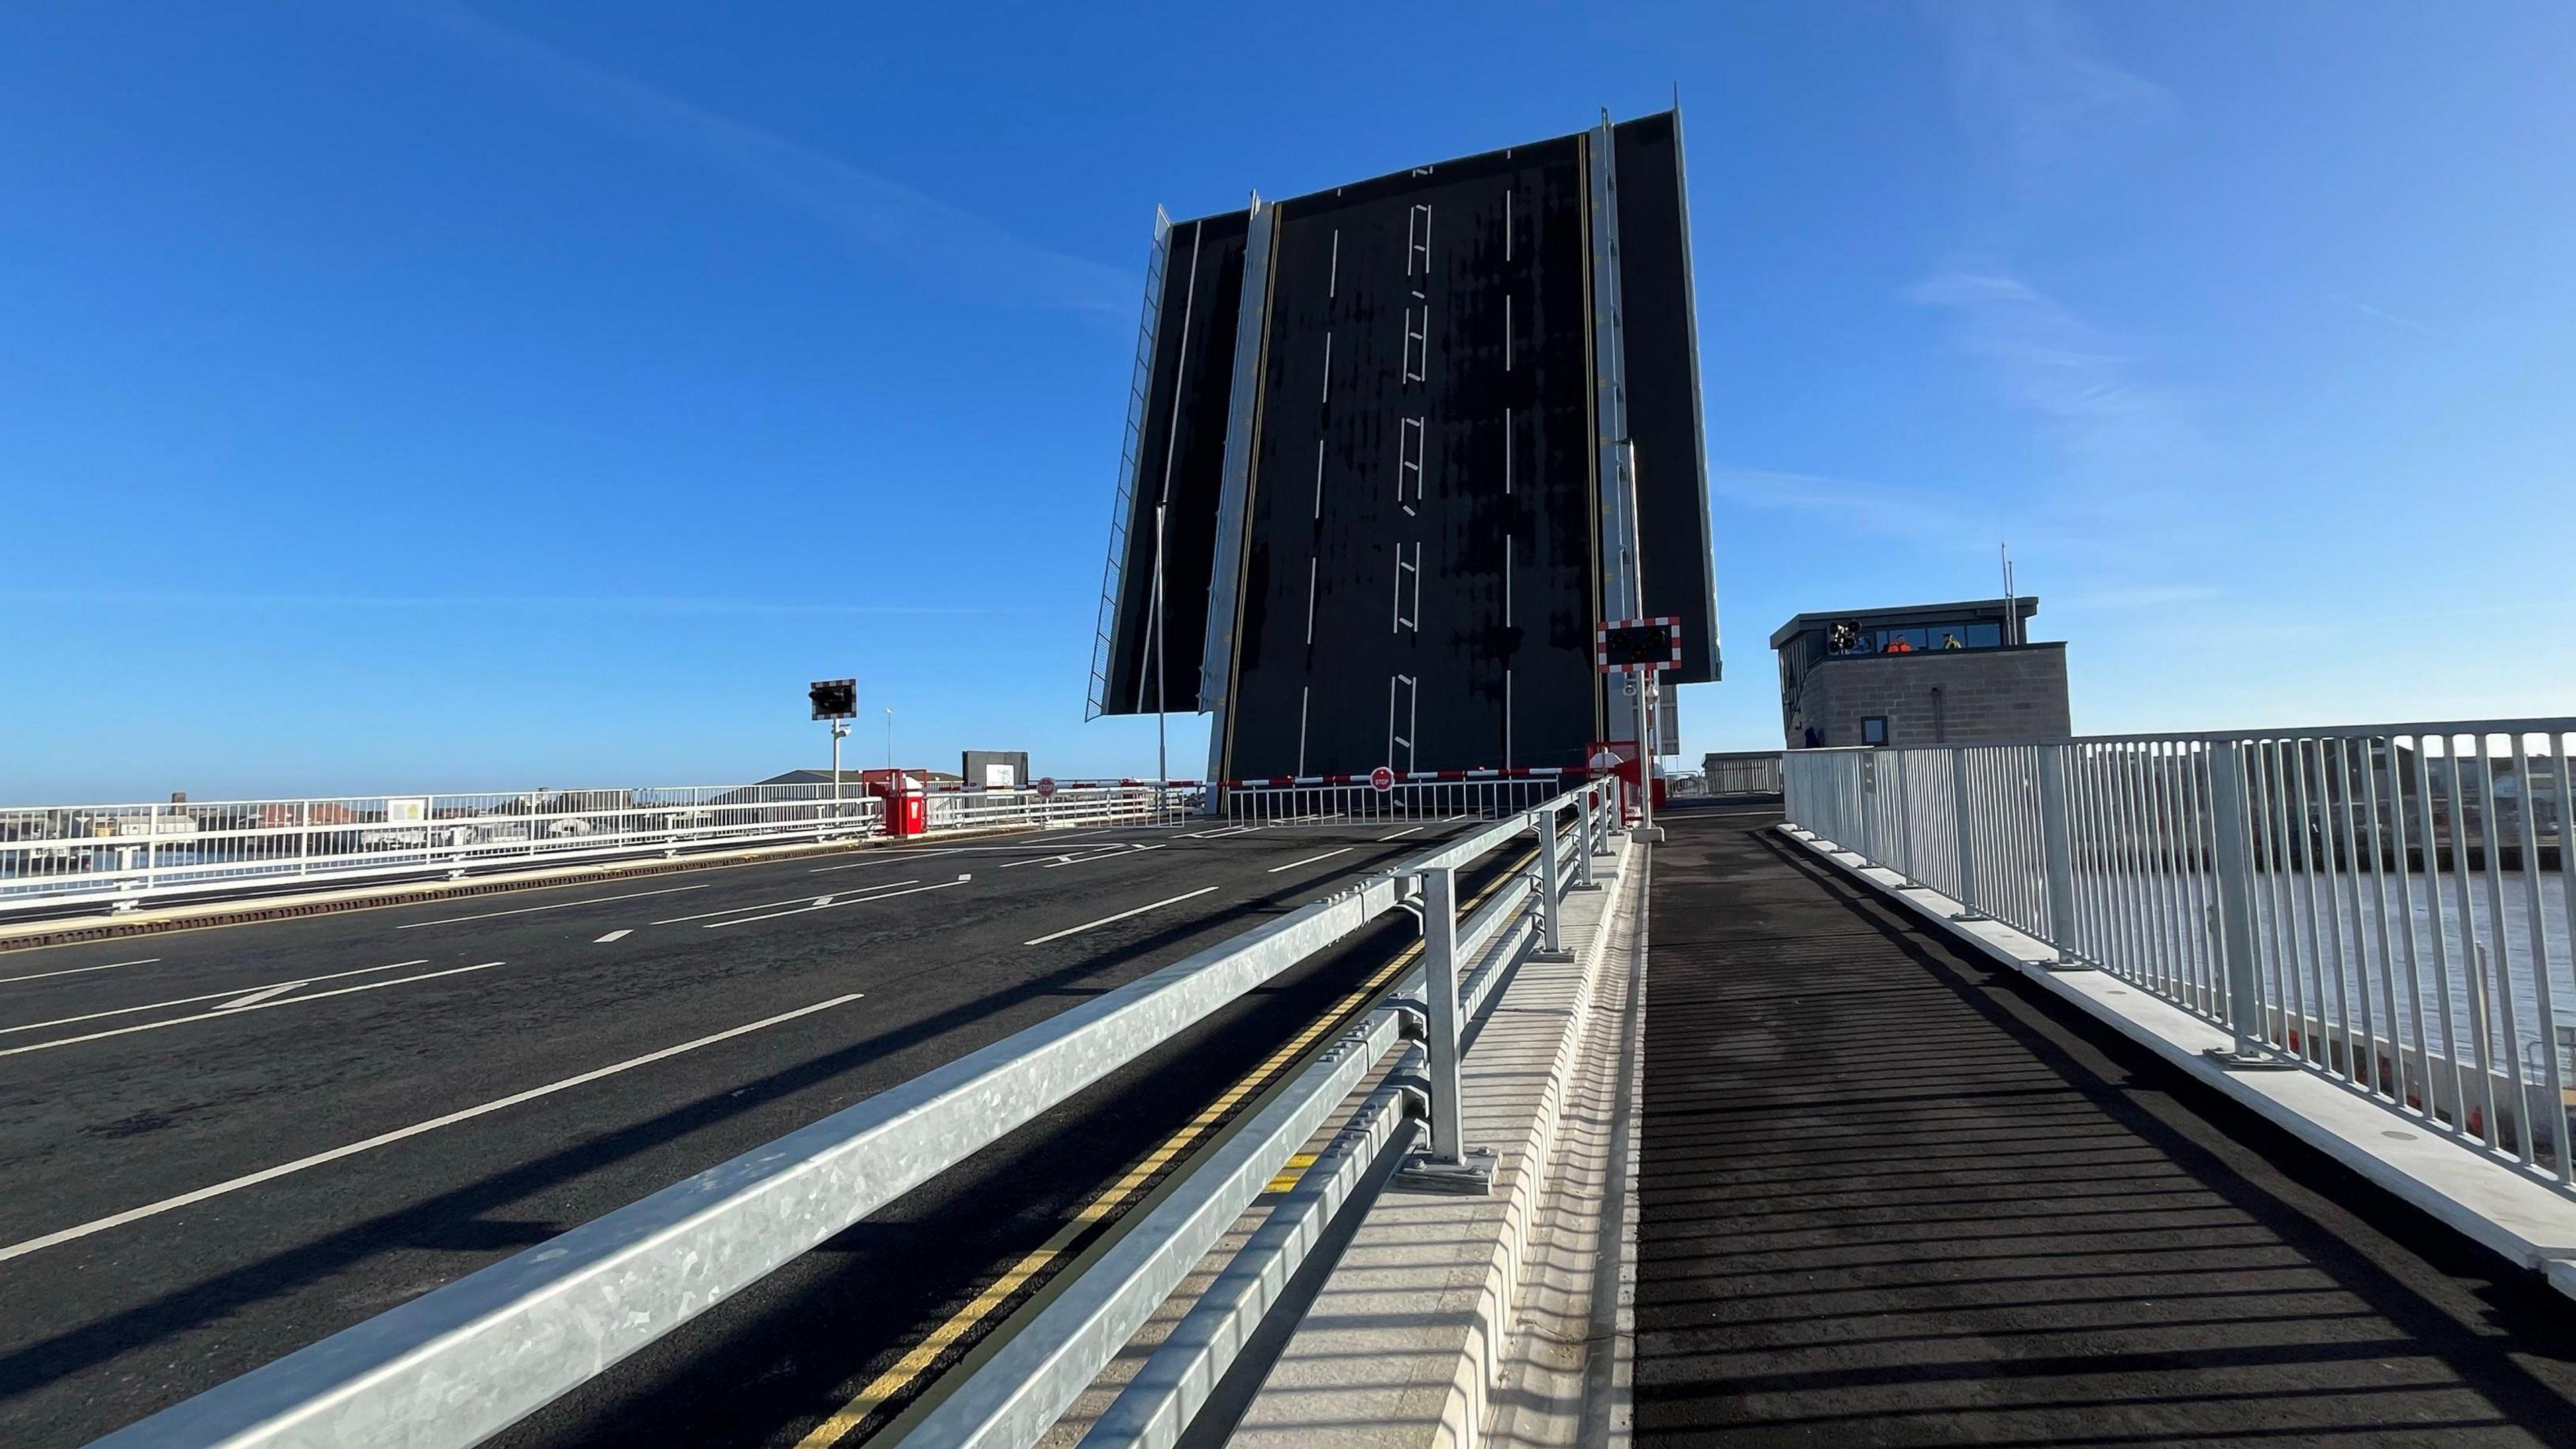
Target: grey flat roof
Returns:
[1901, 615]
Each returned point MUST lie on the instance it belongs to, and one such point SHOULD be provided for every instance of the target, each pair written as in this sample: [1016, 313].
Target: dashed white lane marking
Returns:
[1310, 860]
[827, 902]
[557, 906]
[614, 936]
[207, 996]
[891, 857]
[76, 970]
[773, 905]
[1104, 855]
[255, 1006]
[1122, 915]
[270, 1174]
[256, 997]
[1213, 834]
[1399, 835]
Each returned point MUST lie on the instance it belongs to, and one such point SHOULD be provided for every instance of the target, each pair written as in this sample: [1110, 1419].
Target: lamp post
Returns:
[1162, 759]
[889, 737]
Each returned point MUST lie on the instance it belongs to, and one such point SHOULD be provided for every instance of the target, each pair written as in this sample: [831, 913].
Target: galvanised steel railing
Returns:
[464, 1361]
[124, 856]
[1416, 799]
[2388, 905]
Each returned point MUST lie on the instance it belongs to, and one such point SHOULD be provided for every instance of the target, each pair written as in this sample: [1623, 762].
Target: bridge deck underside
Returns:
[1889, 1197]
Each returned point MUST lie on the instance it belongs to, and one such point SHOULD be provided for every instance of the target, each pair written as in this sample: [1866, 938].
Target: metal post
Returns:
[2059, 844]
[1967, 843]
[1444, 1164]
[1551, 884]
[1162, 754]
[1902, 862]
[1646, 828]
[2236, 914]
[1583, 825]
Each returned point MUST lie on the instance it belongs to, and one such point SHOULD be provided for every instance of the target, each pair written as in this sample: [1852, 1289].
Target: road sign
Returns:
[1638, 645]
[1046, 787]
[834, 698]
[1381, 779]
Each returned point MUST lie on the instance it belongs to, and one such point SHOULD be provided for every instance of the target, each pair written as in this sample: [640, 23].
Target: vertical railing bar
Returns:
[2493, 833]
[2284, 983]
[2406, 918]
[2313, 1031]
[2285, 900]
[2427, 819]
[2544, 1005]
[2379, 913]
[2558, 749]
[2472, 960]
[2333, 792]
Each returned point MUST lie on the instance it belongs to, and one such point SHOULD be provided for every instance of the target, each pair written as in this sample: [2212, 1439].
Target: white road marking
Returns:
[1053, 859]
[1399, 835]
[891, 857]
[827, 903]
[614, 936]
[557, 906]
[256, 997]
[257, 1006]
[206, 996]
[1122, 915]
[1310, 860]
[270, 1174]
[1104, 855]
[76, 970]
[1213, 834]
[772, 905]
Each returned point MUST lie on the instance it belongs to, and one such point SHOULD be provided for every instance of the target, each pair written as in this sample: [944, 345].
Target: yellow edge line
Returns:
[1106, 1203]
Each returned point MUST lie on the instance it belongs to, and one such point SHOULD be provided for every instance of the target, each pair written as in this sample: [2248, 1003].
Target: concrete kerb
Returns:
[1447, 1319]
[330, 900]
[2490, 1203]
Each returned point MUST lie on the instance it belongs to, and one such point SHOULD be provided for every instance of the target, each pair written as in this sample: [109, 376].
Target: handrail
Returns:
[465, 1361]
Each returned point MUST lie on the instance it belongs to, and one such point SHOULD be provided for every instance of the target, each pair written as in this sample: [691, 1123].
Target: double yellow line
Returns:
[1114, 1199]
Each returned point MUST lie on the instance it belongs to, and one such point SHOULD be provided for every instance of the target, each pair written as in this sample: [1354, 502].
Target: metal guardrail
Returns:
[2390, 906]
[461, 1363]
[1324, 802]
[124, 856]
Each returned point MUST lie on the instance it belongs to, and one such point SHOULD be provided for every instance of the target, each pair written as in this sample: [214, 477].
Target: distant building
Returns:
[1920, 675]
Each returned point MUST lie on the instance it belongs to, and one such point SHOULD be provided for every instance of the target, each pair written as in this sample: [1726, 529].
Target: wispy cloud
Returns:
[961, 252]
[613, 604]
[2121, 600]
[2382, 314]
[2078, 383]
[2034, 91]
[1851, 504]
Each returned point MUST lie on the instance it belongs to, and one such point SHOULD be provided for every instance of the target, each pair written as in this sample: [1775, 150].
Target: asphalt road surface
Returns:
[224, 1144]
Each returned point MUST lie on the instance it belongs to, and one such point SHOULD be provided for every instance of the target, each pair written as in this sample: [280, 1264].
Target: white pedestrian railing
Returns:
[118, 857]
[463, 1362]
[1413, 799]
[2388, 905]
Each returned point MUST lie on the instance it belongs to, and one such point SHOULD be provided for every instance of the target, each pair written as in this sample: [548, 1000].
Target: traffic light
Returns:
[834, 698]
[1632, 646]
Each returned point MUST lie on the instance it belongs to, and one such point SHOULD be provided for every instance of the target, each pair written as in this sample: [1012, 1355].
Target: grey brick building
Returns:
[1923, 674]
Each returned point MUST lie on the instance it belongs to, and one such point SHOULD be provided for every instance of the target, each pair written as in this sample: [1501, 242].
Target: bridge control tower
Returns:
[1396, 449]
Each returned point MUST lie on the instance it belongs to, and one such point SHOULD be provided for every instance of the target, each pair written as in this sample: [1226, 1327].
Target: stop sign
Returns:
[1381, 779]
[1046, 787]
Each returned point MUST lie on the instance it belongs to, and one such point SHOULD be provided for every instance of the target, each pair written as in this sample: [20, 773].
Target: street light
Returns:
[889, 737]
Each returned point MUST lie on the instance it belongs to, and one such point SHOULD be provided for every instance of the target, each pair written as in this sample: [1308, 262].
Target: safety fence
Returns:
[463, 1362]
[1746, 772]
[1426, 797]
[2390, 906]
[119, 857]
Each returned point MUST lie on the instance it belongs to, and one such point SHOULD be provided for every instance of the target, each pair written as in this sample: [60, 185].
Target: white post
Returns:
[1967, 841]
[1446, 1164]
[2058, 844]
[1551, 883]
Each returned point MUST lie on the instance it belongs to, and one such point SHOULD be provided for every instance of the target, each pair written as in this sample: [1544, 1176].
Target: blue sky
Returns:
[422, 396]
